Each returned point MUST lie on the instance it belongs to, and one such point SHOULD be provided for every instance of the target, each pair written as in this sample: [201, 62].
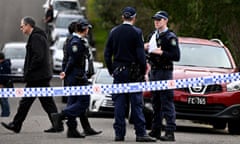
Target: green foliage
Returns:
[191, 18]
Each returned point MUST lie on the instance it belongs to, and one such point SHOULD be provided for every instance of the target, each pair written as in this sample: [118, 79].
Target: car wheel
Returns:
[234, 127]
[219, 125]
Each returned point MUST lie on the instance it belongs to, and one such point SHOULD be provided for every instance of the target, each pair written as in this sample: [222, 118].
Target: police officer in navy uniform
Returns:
[75, 75]
[87, 129]
[163, 50]
[124, 47]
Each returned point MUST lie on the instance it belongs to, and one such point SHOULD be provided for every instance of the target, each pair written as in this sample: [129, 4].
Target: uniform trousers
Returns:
[120, 104]
[76, 106]
[163, 104]
[25, 103]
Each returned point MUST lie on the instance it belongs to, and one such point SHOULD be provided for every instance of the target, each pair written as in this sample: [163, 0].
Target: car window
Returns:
[59, 44]
[15, 53]
[203, 56]
[63, 22]
[65, 5]
[103, 77]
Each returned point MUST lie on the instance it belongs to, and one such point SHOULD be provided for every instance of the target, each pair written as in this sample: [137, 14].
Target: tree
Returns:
[193, 18]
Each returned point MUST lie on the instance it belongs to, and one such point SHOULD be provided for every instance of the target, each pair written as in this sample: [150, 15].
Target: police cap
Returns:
[160, 14]
[83, 24]
[128, 12]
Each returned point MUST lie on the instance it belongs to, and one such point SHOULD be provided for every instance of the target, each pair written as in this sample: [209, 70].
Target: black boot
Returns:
[73, 133]
[169, 136]
[87, 130]
[11, 126]
[155, 133]
[145, 138]
[53, 130]
[90, 131]
[57, 119]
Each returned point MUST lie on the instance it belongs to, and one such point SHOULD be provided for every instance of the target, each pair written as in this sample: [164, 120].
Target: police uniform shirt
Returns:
[76, 50]
[168, 42]
[124, 46]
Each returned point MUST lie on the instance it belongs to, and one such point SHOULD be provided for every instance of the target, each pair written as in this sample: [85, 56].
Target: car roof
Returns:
[65, 0]
[14, 44]
[191, 40]
[70, 13]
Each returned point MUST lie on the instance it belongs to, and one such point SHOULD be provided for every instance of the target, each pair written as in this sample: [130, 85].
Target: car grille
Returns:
[107, 103]
[182, 107]
[203, 89]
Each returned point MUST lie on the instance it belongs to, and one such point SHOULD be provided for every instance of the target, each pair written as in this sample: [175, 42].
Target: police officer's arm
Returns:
[141, 53]
[173, 52]
[75, 49]
[157, 51]
[108, 52]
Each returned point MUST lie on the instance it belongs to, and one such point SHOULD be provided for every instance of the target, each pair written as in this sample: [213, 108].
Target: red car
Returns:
[218, 104]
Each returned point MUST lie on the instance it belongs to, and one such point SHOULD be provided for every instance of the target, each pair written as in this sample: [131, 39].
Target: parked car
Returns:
[101, 103]
[57, 54]
[217, 104]
[62, 5]
[60, 25]
[15, 51]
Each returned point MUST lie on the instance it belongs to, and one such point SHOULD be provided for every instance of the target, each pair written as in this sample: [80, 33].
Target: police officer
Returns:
[75, 75]
[88, 130]
[124, 47]
[163, 50]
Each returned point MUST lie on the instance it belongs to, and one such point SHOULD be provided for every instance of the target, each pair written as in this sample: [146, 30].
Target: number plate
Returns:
[196, 100]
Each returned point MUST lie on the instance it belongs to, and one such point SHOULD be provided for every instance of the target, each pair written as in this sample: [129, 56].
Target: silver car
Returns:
[101, 103]
[62, 5]
[15, 51]
[61, 23]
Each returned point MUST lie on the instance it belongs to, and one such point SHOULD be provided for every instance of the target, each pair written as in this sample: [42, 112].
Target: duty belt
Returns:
[164, 67]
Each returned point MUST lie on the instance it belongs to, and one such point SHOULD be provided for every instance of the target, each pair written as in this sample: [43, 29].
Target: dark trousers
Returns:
[25, 103]
[163, 104]
[77, 105]
[120, 102]
[5, 107]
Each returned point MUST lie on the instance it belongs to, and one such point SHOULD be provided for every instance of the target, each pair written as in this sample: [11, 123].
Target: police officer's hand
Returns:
[158, 51]
[62, 75]
[146, 46]
[146, 78]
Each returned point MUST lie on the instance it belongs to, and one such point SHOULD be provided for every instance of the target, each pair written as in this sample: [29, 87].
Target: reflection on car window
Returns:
[63, 22]
[103, 77]
[60, 43]
[203, 56]
[63, 5]
[15, 53]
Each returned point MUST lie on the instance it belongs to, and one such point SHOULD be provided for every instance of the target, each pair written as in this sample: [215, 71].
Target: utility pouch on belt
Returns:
[135, 73]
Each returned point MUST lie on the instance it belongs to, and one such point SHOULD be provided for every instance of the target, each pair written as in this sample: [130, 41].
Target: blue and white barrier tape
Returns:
[118, 88]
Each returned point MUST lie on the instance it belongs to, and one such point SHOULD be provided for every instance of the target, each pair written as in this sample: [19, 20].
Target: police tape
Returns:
[118, 88]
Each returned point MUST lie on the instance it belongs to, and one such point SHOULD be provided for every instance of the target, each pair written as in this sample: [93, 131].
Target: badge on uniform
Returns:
[74, 48]
[173, 42]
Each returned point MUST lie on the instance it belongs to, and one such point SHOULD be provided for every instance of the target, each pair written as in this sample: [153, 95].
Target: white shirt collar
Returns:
[76, 34]
[127, 22]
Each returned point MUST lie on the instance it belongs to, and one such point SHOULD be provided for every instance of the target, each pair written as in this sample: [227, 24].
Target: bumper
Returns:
[229, 113]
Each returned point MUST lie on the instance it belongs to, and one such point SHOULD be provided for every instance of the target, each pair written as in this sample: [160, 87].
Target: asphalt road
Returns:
[37, 120]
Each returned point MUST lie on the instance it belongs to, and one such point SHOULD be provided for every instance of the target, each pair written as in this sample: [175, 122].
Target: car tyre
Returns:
[219, 125]
[234, 127]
